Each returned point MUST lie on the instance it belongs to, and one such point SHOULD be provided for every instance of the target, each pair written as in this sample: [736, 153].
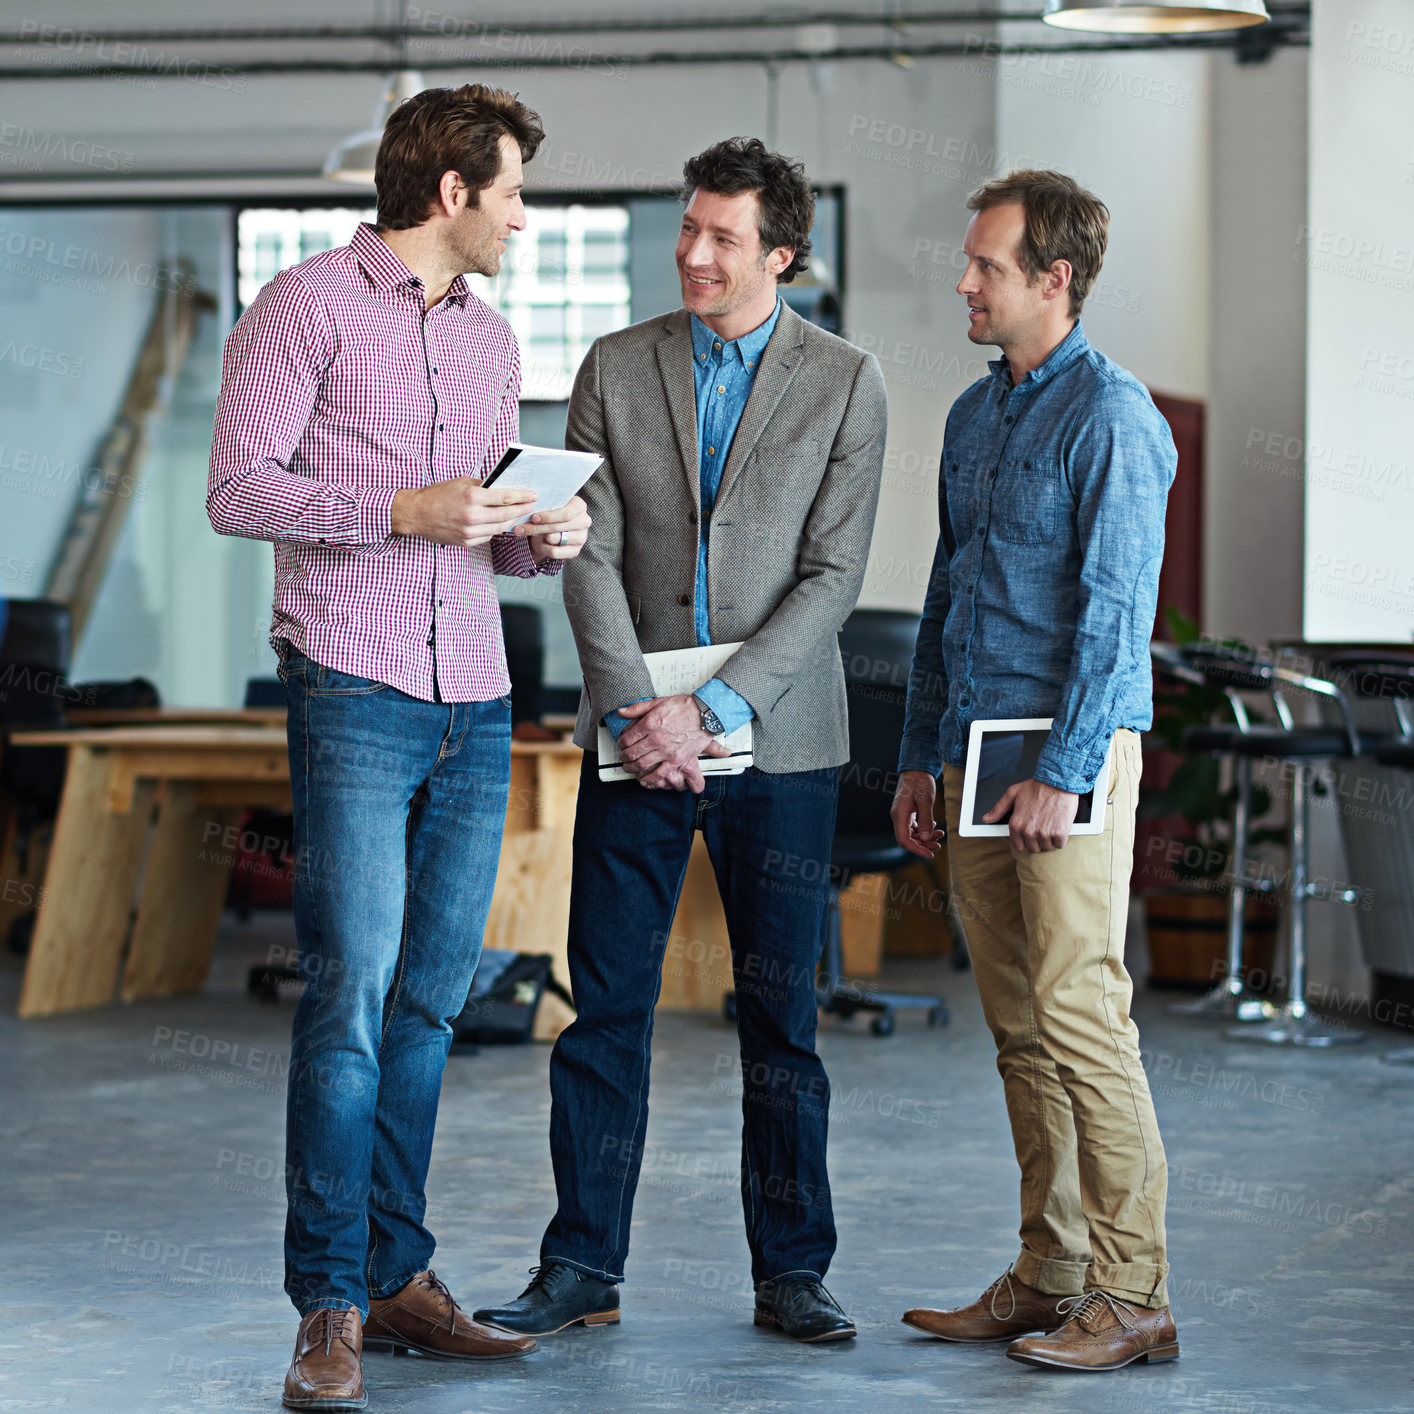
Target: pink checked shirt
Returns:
[338, 387]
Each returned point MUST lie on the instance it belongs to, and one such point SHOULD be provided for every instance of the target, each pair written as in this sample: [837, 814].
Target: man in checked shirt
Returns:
[364, 395]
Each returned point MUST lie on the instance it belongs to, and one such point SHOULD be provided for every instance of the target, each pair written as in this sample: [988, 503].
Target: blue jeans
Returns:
[399, 807]
[768, 837]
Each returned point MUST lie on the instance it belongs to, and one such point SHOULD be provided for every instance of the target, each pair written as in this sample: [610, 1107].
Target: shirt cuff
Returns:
[1073, 769]
[921, 751]
[732, 709]
[616, 723]
[375, 515]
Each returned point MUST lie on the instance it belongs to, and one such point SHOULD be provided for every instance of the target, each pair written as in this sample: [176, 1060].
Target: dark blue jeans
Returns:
[768, 837]
[399, 807]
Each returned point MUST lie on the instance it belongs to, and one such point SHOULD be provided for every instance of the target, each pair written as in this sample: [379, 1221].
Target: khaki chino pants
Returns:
[1046, 936]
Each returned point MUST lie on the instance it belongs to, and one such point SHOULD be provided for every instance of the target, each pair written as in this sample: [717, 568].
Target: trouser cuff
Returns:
[1051, 1275]
[385, 1289]
[582, 1267]
[1139, 1283]
[332, 1303]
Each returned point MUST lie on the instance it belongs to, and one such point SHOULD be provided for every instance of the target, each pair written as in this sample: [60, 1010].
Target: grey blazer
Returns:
[790, 530]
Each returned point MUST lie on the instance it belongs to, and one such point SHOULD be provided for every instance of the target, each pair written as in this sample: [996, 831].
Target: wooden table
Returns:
[142, 855]
[138, 857]
[143, 850]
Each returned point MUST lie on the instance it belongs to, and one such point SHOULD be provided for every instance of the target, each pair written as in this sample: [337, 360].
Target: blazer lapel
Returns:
[779, 361]
[680, 391]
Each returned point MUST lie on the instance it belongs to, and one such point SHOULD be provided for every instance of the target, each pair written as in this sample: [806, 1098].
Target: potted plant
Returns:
[1185, 849]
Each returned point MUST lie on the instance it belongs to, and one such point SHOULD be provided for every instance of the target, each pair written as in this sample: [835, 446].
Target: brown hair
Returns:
[787, 205]
[447, 130]
[1063, 222]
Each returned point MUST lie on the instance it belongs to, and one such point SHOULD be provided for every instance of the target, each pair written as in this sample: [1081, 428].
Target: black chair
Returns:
[34, 686]
[1293, 1024]
[876, 647]
[1401, 754]
[523, 629]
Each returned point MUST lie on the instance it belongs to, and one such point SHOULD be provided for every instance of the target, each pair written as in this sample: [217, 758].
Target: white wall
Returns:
[1256, 306]
[1358, 250]
[1134, 128]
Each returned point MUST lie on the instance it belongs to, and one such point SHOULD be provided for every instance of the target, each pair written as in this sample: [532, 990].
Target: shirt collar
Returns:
[386, 271]
[1070, 348]
[749, 346]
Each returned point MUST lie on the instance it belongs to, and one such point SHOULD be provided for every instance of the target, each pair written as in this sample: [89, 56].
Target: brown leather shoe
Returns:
[327, 1371]
[1008, 1308]
[1101, 1332]
[424, 1317]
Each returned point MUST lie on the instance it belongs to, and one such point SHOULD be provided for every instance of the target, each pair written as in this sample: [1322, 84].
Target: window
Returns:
[563, 280]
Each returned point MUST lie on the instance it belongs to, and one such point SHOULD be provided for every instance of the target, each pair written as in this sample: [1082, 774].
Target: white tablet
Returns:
[1001, 753]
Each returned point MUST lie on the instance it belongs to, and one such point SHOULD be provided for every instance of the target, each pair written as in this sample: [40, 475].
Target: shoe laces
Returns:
[990, 1295]
[1090, 1304]
[545, 1272]
[434, 1283]
[338, 1325]
[816, 1287]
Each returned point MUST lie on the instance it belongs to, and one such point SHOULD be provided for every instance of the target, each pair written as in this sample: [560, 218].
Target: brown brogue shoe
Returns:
[424, 1317]
[1101, 1332]
[327, 1371]
[1008, 1308]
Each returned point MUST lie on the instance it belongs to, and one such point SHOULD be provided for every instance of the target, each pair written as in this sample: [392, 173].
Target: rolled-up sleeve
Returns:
[1119, 475]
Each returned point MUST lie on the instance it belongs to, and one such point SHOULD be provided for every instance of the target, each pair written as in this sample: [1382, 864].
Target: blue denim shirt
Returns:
[1056, 490]
[725, 374]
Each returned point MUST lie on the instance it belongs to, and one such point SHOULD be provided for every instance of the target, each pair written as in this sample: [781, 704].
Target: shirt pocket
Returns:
[1026, 500]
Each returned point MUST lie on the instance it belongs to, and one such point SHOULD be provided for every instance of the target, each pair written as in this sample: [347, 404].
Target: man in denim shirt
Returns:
[1056, 470]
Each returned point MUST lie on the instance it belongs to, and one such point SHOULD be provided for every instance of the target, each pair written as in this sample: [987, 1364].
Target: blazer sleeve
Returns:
[609, 656]
[833, 553]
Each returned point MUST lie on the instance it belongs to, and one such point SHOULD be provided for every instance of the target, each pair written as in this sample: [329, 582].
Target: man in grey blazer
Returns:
[743, 449]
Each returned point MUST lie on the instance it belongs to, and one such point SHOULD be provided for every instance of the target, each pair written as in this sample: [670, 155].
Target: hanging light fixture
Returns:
[352, 159]
[1178, 17]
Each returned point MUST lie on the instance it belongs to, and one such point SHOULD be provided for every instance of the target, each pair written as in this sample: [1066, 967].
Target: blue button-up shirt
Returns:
[1055, 490]
[725, 373]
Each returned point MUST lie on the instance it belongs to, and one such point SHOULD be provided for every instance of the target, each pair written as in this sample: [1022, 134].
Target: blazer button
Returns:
[692, 517]
[684, 599]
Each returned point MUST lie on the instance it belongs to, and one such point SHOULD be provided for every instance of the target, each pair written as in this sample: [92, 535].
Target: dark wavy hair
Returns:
[447, 130]
[787, 205]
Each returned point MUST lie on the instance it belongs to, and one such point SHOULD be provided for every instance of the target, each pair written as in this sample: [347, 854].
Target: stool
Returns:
[1293, 1024]
[1231, 672]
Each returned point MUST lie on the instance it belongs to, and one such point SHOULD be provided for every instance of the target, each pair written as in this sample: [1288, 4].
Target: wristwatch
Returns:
[711, 722]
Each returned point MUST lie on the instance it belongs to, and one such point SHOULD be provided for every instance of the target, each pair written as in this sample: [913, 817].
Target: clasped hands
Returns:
[462, 511]
[663, 743]
[1041, 815]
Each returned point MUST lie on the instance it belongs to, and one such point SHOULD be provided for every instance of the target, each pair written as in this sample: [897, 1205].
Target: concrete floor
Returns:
[143, 1212]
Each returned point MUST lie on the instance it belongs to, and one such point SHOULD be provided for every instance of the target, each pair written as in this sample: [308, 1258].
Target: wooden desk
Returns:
[142, 855]
[175, 716]
[138, 850]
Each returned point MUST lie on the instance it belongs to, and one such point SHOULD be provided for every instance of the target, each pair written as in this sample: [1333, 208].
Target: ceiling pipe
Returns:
[33, 34]
[890, 53]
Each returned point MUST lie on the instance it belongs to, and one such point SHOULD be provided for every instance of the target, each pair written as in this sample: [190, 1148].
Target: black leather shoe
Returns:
[800, 1307]
[559, 1296]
